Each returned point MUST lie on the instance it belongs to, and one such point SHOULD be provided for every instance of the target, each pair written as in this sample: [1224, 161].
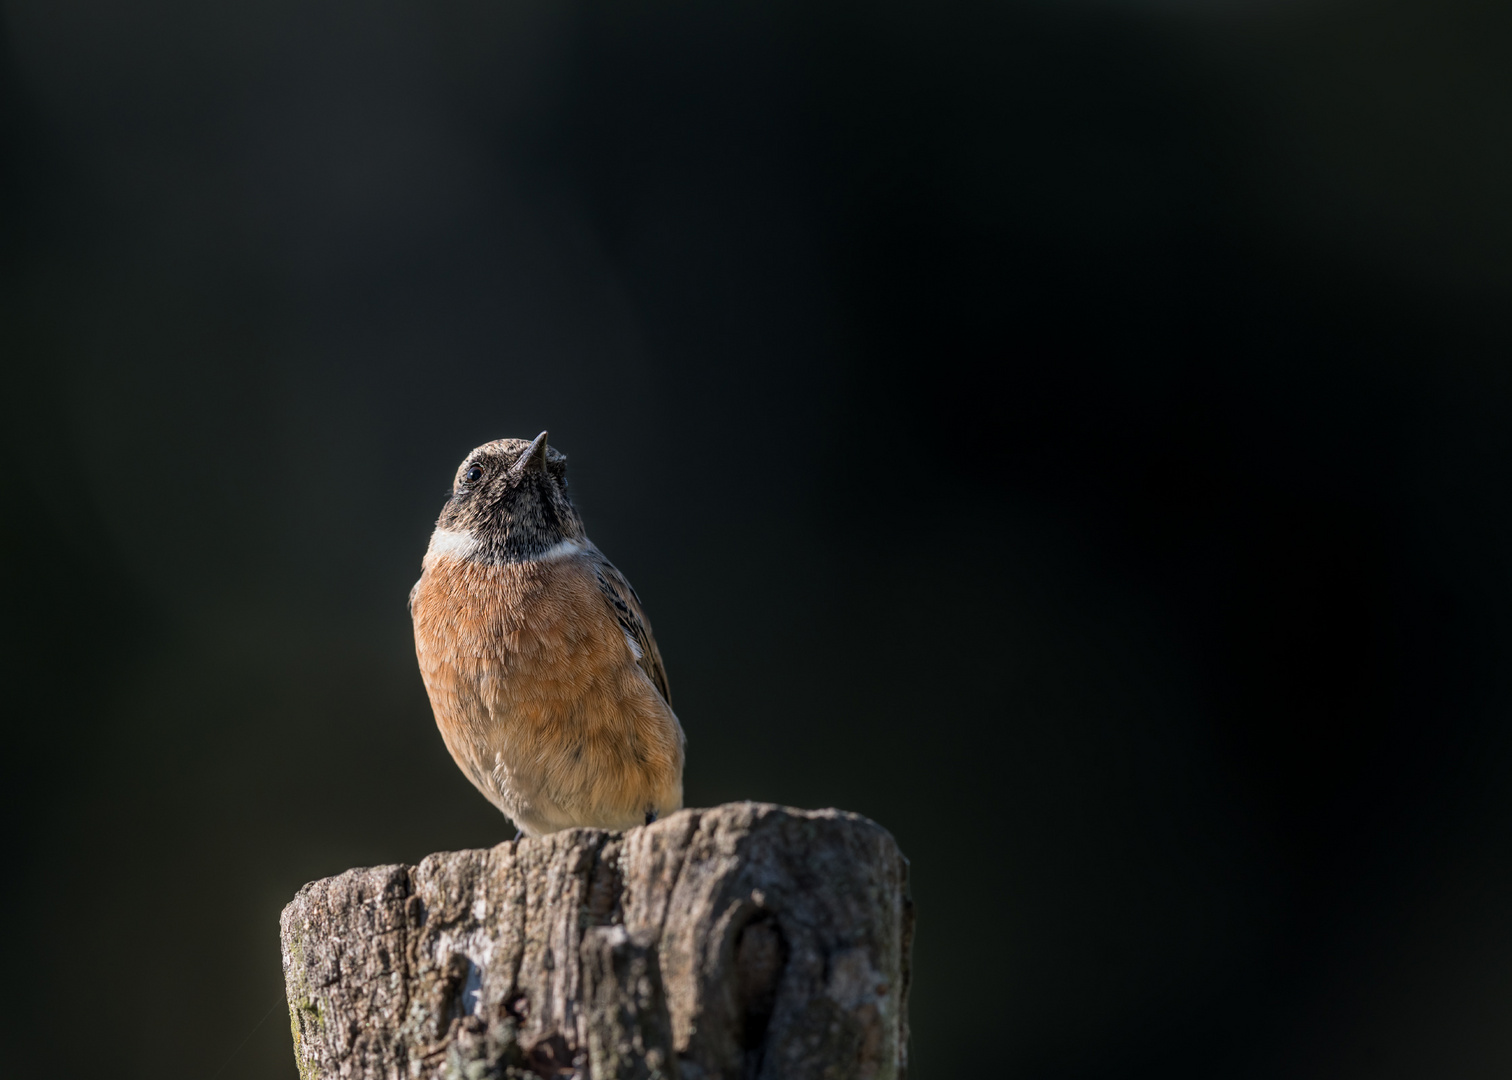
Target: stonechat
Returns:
[545, 680]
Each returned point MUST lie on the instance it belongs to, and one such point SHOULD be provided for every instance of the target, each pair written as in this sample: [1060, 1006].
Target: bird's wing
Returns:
[632, 620]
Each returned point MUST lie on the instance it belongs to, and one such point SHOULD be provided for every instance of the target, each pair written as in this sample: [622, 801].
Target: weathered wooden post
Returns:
[748, 941]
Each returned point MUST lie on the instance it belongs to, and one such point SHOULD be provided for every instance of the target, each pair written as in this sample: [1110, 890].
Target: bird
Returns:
[536, 653]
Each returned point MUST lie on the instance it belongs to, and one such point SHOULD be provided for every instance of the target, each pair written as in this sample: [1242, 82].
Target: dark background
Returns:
[1075, 435]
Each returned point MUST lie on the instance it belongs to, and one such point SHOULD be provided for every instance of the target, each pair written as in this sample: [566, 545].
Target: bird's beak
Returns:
[534, 456]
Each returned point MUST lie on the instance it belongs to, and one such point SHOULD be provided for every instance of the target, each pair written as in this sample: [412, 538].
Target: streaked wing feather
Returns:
[632, 619]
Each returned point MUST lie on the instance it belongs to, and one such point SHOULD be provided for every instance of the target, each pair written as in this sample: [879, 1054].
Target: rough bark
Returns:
[745, 942]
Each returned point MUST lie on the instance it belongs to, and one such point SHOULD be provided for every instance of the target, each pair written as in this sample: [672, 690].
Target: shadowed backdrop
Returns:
[1074, 435]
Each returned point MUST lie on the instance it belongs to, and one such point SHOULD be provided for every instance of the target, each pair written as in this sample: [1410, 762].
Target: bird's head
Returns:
[509, 503]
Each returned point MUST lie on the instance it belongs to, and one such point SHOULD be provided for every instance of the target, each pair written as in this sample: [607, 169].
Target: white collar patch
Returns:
[457, 544]
[560, 550]
[452, 542]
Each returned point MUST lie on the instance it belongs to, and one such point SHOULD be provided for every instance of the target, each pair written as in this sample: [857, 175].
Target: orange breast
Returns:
[538, 696]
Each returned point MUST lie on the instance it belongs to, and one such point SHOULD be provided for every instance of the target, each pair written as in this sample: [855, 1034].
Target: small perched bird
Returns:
[540, 665]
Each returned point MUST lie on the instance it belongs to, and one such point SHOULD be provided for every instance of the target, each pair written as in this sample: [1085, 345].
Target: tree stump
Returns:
[748, 941]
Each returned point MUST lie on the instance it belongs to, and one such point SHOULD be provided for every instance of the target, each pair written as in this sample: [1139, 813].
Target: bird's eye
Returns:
[472, 475]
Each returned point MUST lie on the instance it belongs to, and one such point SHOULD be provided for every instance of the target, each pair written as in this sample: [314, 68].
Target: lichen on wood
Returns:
[745, 942]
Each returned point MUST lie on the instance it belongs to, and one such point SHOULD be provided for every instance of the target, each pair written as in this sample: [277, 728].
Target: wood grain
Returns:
[746, 941]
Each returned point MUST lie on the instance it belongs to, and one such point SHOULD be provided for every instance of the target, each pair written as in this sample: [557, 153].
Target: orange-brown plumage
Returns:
[544, 678]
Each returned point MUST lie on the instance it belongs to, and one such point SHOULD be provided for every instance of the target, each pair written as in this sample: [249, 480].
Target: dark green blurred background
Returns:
[1074, 434]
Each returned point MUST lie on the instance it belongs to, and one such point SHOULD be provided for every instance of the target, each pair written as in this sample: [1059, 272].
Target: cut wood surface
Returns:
[746, 941]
